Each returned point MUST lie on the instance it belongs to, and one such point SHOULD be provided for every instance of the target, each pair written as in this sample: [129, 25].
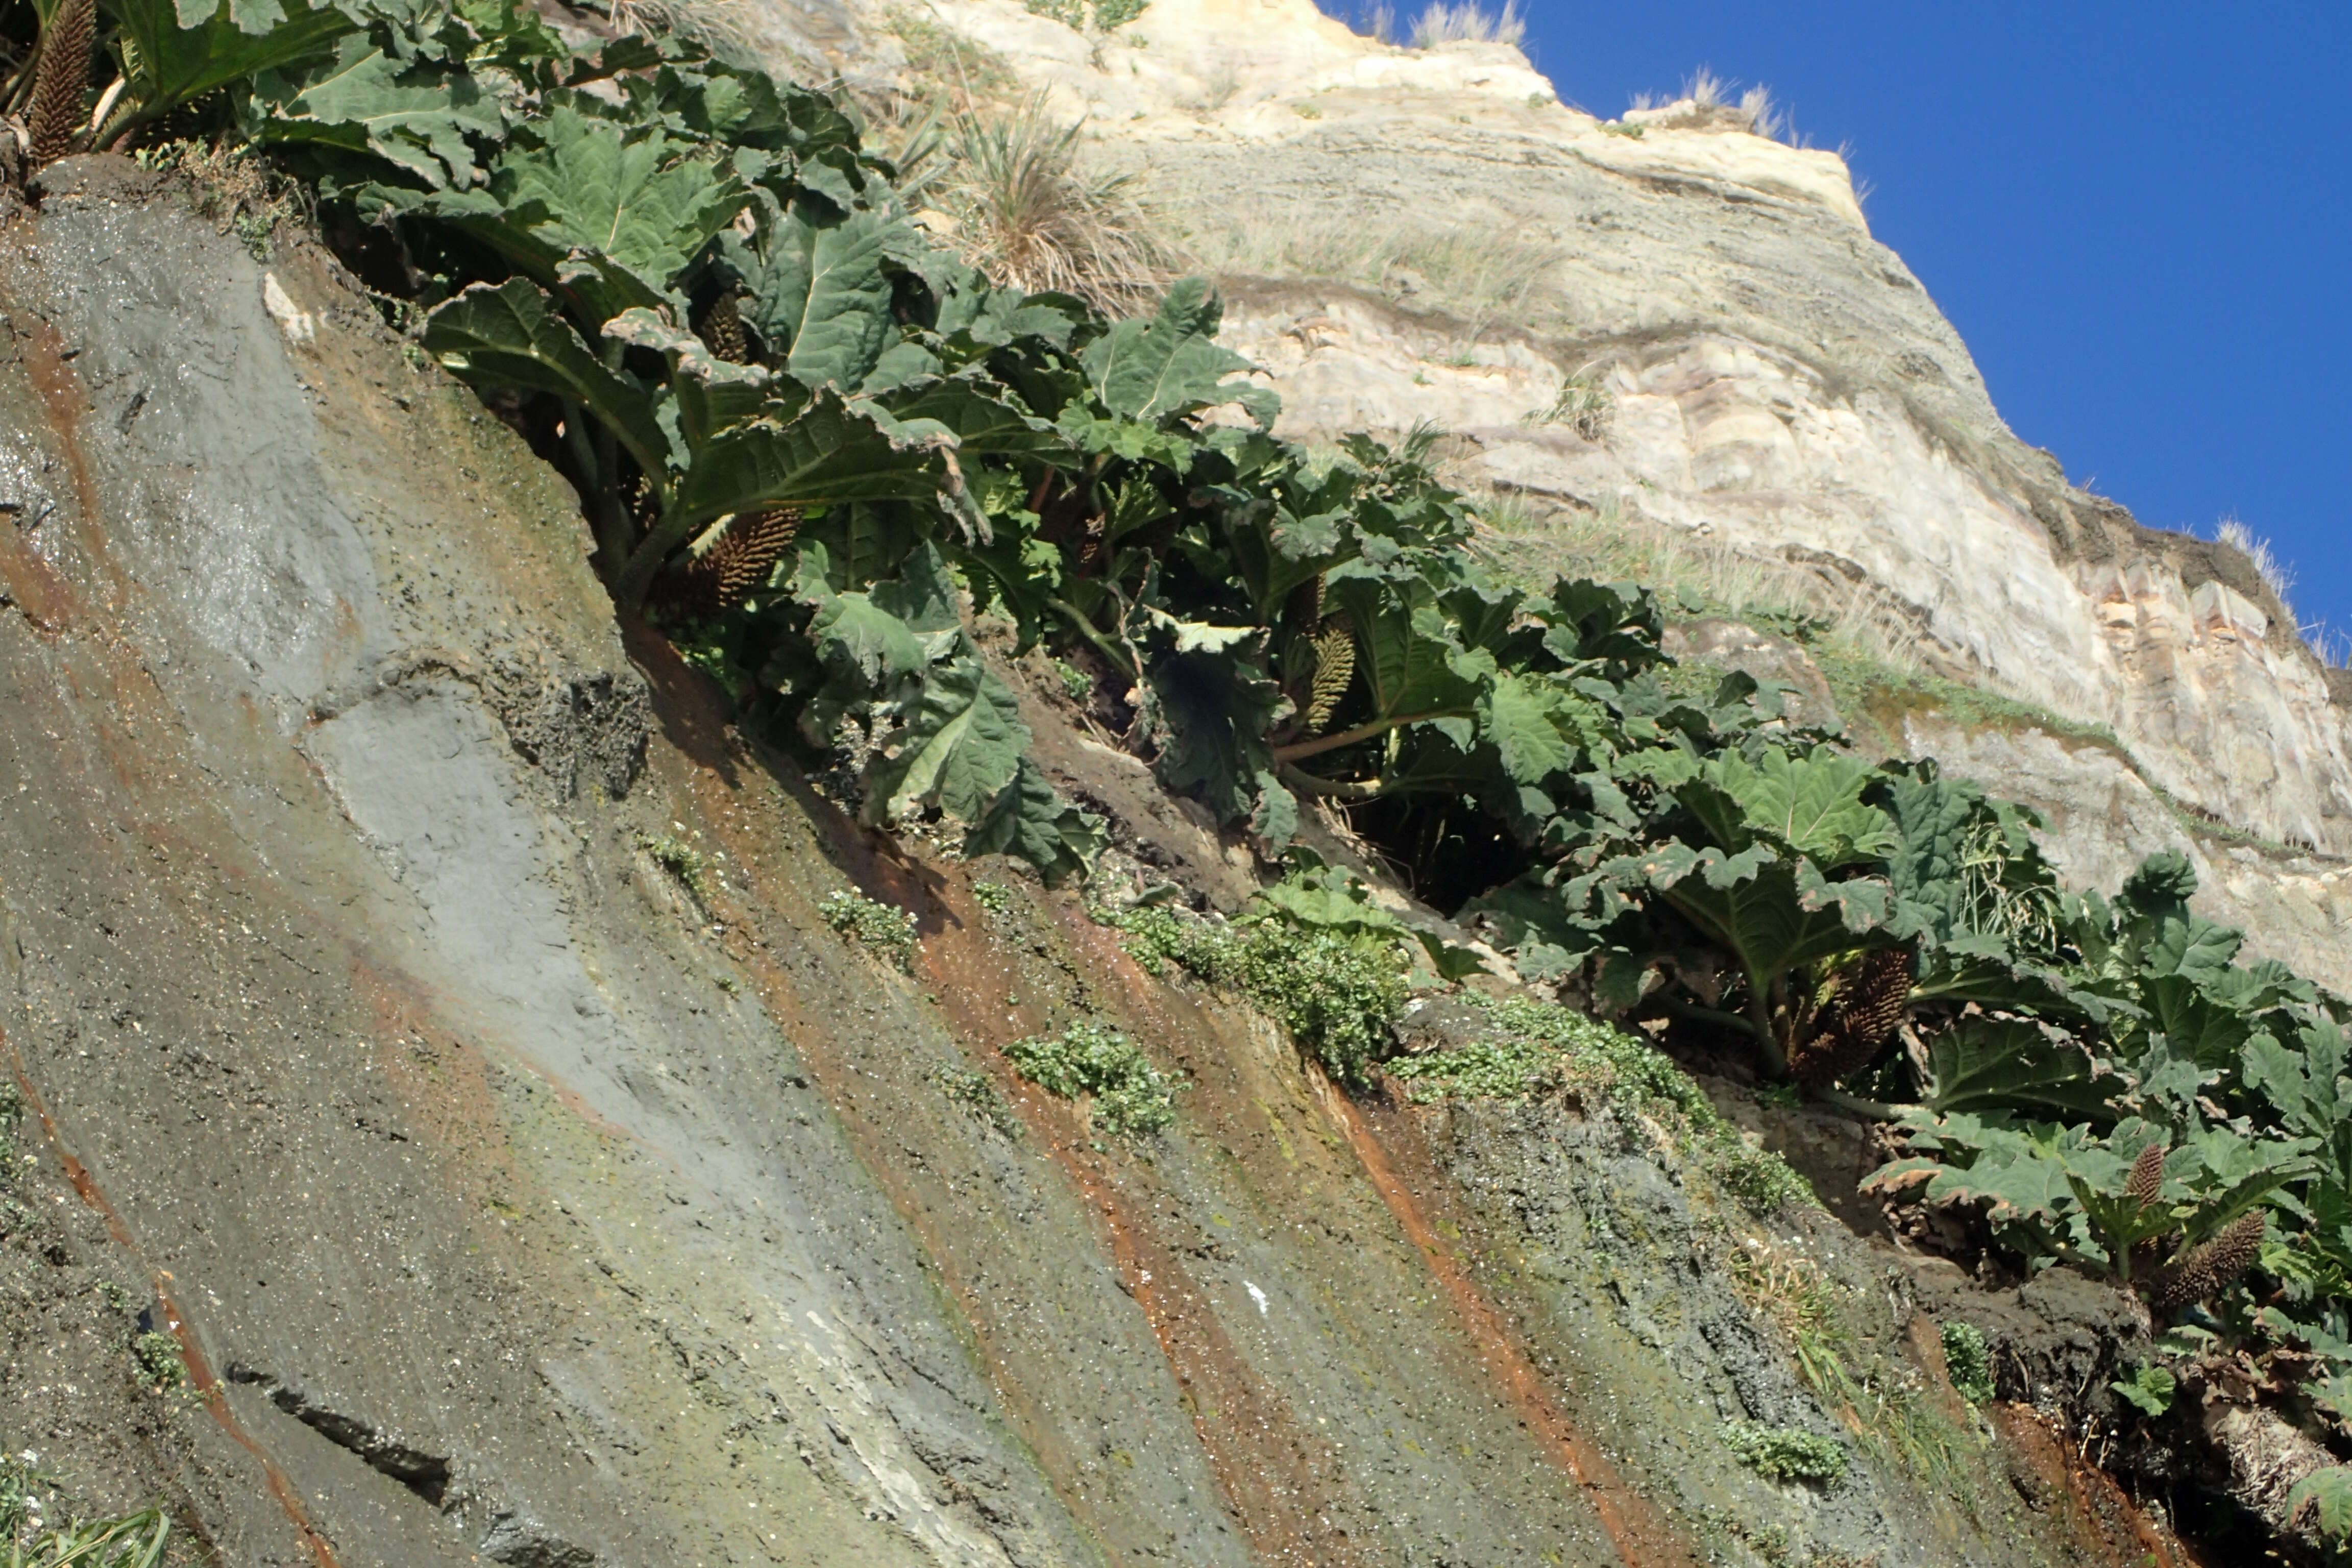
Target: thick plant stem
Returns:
[1715, 1016]
[1300, 751]
[1854, 1105]
[603, 507]
[64, 72]
[1334, 789]
[1767, 1041]
[1085, 628]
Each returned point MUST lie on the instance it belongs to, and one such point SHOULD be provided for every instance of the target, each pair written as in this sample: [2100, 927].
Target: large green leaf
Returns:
[1812, 804]
[708, 394]
[2013, 1178]
[1169, 365]
[1931, 816]
[819, 297]
[644, 200]
[1539, 727]
[1212, 712]
[2322, 1502]
[1407, 655]
[1028, 819]
[1757, 905]
[1985, 1064]
[414, 118]
[507, 335]
[960, 746]
[828, 455]
[178, 54]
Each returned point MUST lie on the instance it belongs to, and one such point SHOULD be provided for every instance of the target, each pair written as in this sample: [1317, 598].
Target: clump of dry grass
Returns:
[1707, 103]
[1468, 22]
[1027, 211]
[2276, 573]
[718, 24]
[2331, 646]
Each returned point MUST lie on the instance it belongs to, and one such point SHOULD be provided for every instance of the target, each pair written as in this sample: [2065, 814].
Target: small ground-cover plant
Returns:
[1968, 1360]
[977, 1092]
[1314, 954]
[1126, 1093]
[884, 930]
[162, 1367]
[1786, 1453]
[681, 860]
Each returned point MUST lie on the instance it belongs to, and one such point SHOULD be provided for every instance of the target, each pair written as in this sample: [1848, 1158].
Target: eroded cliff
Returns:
[422, 1013]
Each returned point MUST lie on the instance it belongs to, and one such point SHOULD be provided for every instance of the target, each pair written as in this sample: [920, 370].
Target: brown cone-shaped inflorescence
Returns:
[63, 75]
[2204, 1271]
[734, 568]
[1865, 1004]
[722, 330]
[1302, 613]
[1335, 669]
[2146, 1183]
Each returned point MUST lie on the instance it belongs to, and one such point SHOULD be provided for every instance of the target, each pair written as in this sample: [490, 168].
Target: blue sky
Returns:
[2137, 215]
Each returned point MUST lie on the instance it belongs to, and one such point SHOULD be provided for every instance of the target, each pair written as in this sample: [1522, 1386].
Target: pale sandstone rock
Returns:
[1780, 381]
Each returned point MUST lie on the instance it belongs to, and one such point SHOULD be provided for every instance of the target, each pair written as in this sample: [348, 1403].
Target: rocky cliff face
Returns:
[1413, 235]
[422, 1017]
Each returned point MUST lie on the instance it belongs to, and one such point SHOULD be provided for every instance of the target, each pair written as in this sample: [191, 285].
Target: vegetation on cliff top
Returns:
[812, 445]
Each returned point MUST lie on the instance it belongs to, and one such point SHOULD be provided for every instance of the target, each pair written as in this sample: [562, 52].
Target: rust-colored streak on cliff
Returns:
[1277, 1478]
[191, 1355]
[1643, 1538]
[2106, 1526]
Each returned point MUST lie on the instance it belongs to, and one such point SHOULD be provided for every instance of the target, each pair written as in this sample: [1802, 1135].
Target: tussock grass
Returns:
[1029, 212]
[1462, 22]
[2332, 645]
[32, 1535]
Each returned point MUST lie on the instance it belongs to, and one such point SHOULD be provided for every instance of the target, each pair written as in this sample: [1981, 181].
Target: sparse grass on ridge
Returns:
[1707, 102]
[1468, 22]
[1698, 574]
[1462, 22]
[1483, 273]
